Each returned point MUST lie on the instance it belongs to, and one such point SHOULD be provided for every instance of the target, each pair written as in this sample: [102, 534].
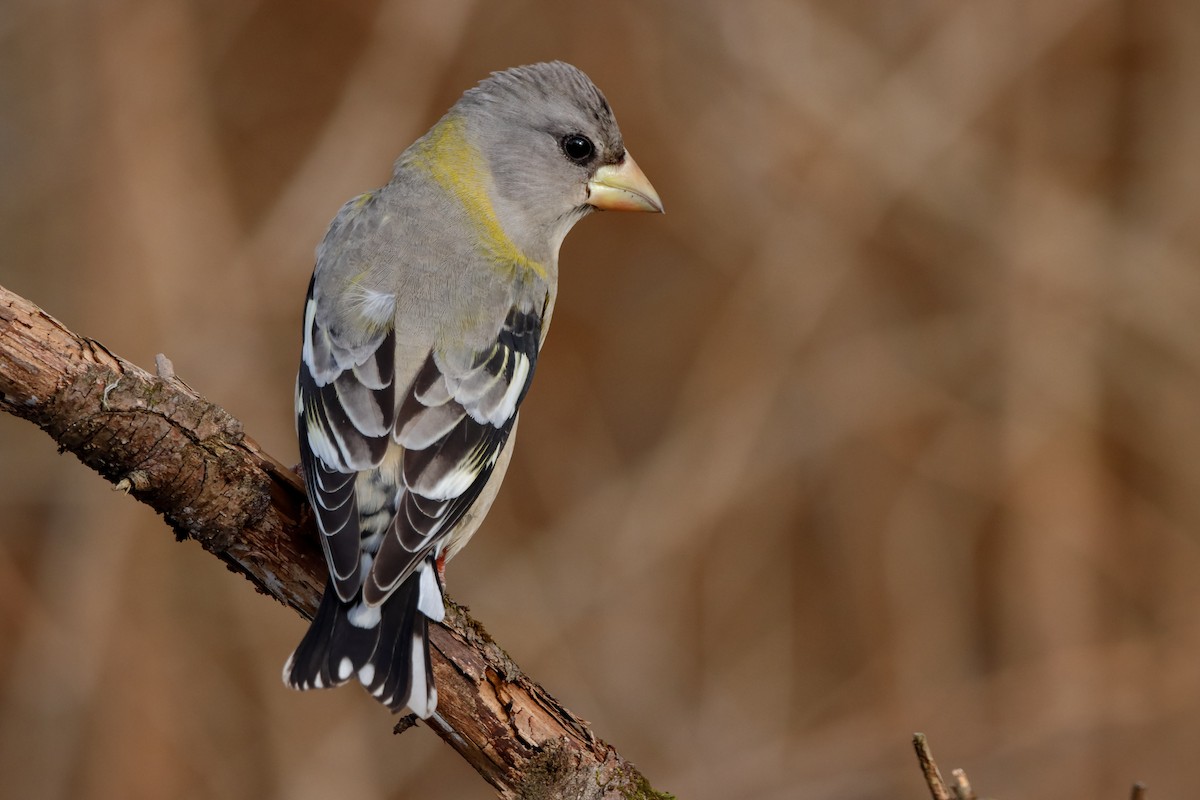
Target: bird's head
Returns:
[552, 153]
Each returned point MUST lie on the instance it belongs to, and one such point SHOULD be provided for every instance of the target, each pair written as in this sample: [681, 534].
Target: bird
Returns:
[428, 306]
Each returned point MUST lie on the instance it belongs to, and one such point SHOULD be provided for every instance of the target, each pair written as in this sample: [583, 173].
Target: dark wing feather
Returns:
[345, 409]
[453, 425]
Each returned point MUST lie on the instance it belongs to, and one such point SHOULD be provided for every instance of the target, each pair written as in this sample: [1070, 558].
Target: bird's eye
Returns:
[578, 148]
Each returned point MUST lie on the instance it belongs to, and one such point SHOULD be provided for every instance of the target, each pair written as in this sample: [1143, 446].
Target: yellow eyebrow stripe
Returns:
[452, 161]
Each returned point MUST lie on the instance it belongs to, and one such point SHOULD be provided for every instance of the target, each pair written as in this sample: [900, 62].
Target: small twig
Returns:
[933, 776]
[962, 786]
[406, 722]
[1139, 791]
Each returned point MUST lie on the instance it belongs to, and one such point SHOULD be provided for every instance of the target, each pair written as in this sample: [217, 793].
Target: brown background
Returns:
[891, 423]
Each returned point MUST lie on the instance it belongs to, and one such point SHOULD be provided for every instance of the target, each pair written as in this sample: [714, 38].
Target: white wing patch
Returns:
[323, 445]
[455, 480]
[508, 404]
[366, 675]
[429, 598]
[378, 308]
[422, 699]
[306, 352]
[364, 616]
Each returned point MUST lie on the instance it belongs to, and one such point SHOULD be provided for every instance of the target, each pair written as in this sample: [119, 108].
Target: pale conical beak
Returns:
[622, 187]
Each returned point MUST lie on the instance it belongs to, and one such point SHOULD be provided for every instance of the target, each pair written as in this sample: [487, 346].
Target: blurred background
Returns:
[892, 423]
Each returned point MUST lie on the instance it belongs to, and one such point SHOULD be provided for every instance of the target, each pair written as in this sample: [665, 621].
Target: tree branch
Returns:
[160, 441]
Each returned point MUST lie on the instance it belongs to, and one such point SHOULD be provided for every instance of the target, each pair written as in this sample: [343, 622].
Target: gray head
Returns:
[554, 151]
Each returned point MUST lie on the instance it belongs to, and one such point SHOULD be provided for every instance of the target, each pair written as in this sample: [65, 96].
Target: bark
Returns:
[190, 460]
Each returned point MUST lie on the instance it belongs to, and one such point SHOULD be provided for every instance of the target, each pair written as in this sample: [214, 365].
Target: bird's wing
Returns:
[453, 424]
[345, 403]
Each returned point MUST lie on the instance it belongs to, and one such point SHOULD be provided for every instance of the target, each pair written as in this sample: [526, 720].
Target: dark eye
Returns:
[578, 148]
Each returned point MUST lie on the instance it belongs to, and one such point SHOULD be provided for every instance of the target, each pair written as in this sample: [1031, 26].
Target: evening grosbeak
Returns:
[426, 311]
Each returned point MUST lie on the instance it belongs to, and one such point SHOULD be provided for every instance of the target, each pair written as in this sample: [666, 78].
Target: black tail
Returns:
[386, 649]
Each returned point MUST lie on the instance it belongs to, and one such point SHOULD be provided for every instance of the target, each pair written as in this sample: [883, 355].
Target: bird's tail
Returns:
[386, 647]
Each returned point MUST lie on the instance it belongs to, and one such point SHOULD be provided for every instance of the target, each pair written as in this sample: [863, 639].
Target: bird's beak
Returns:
[622, 187]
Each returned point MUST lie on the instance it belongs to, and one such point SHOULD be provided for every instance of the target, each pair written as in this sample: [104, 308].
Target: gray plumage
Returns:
[427, 308]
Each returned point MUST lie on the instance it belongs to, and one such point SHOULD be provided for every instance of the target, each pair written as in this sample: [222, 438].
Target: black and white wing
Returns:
[345, 409]
[453, 424]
